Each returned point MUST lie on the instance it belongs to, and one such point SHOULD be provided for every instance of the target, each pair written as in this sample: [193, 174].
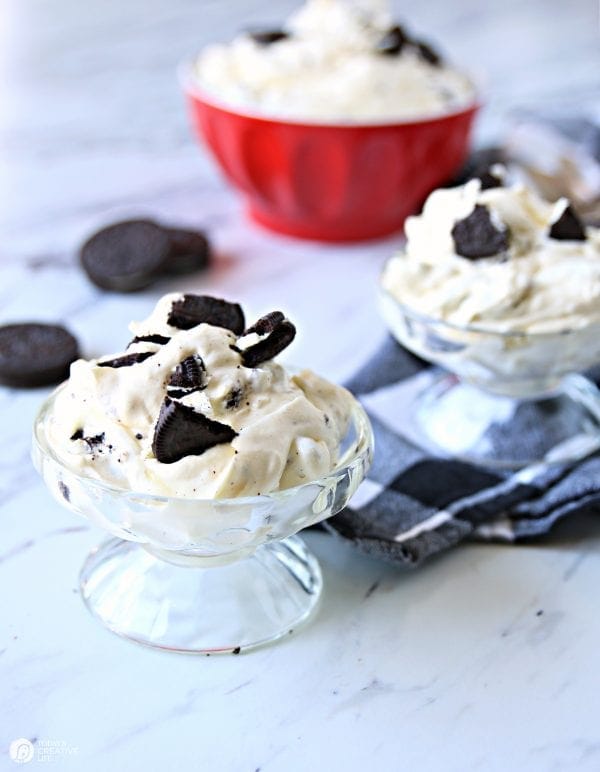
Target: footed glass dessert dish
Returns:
[201, 575]
[508, 399]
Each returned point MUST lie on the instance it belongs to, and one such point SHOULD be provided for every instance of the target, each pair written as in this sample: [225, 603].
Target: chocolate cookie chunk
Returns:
[180, 431]
[152, 338]
[489, 180]
[428, 53]
[188, 376]
[192, 310]
[266, 323]
[568, 227]
[34, 354]
[126, 256]
[476, 235]
[282, 334]
[127, 360]
[479, 164]
[266, 37]
[190, 251]
[92, 441]
[392, 42]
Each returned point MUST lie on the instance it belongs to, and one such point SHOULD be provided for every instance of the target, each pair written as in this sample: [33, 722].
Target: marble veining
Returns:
[482, 660]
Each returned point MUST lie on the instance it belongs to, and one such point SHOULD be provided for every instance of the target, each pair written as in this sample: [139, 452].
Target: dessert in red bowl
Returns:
[335, 128]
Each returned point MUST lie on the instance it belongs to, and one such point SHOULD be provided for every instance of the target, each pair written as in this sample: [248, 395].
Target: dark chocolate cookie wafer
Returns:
[192, 310]
[428, 53]
[190, 251]
[280, 334]
[180, 431]
[477, 236]
[266, 37]
[127, 360]
[126, 256]
[392, 42]
[34, 354]
[568, 227]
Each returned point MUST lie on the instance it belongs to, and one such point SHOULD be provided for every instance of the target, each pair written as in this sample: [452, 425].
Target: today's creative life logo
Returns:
[21, 750]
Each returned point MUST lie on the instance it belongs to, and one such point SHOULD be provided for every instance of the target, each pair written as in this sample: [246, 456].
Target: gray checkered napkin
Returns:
[414, 504]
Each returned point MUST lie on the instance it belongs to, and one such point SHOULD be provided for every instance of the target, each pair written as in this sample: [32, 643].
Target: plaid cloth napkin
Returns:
[413, 504]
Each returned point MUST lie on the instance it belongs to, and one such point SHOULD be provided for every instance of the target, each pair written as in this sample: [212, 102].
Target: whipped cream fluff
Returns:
[537, 284]
[286, 428]
[328, 67]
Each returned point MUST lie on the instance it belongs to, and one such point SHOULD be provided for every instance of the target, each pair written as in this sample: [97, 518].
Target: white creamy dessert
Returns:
[196, 410]
[533, 283]
[334, 60]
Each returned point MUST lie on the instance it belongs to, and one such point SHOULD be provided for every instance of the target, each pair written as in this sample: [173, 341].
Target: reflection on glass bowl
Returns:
[502, 384]
[251, 580]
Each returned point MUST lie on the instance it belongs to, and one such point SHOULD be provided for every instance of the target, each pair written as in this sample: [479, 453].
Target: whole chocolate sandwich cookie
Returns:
[130, 255]
[35, 354]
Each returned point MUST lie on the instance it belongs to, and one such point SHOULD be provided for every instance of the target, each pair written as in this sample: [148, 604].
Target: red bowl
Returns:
[327, 181]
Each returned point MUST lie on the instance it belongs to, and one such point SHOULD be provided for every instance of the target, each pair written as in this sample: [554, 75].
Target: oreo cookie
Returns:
[188, 376]
[266, 37]
[190, 251]
[180, 431]
[152, 338]
[479, 164]
[126, 256]
[91, 441]
[489, 180]
[392, 42]
[192, 310]
[568, 227]
[127, 360]
[280, 334]
[35, 354]
[428, 53]
[476, 236]
[266, 323]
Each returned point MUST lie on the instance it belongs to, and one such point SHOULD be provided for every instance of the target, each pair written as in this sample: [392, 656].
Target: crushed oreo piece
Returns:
[188, 376]
[428, 53]
[190, 251]
[92, 441]
[266, 323]
[392, 42]
[568, 227]
[126, 256]
[489, 180]
[180, 431]
[35, 354]
[234, 398]
[476, 235]
[127, 360]
[278, 339]
[479, 163]
[266, 37]
[158, 339]
[192, 310]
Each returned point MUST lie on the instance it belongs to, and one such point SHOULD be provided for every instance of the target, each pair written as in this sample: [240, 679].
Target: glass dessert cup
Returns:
[508, 399]
[204, 575]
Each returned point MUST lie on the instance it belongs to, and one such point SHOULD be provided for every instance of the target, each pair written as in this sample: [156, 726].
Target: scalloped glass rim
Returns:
[474, 328]
[190, 85]
[361, 449]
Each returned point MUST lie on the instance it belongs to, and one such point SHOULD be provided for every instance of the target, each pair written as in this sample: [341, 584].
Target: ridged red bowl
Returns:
[326, 181]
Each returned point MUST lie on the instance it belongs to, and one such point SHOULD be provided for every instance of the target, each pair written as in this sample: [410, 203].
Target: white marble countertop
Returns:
[482, 660]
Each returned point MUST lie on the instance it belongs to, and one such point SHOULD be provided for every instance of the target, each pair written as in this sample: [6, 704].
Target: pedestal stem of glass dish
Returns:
[461, 420]
[227, 608]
